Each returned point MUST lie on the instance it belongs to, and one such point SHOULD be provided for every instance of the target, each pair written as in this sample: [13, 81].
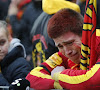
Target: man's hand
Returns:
[56, 70]
[20, 84]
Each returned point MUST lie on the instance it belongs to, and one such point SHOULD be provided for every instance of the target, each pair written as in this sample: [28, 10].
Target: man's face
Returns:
[70, 46]
[4, 44]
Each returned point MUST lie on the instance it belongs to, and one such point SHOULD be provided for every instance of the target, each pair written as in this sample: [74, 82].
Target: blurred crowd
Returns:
[27, 22]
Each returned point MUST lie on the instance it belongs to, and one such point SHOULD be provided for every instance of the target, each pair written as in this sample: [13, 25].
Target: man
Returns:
[65, 28]
[43, 45]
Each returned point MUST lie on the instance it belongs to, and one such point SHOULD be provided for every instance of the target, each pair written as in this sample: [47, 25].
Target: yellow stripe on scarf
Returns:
[36, 72]
[80, 78]
[97, 32]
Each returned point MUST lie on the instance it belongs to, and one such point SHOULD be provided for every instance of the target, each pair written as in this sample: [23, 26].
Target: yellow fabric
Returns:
[54, 60]
[80, 78]
[57, 85]
[97, 32]
[36, 73]
[87, 27]
[53, 6]
[86, 60]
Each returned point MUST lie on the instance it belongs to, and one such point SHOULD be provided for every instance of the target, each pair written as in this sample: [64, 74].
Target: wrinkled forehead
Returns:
[67, 37]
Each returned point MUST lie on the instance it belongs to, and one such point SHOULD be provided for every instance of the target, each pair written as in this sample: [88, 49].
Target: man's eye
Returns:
[70, 43]
[60, 46]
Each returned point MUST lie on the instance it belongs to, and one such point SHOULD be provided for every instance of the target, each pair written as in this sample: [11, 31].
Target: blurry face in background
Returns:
[17, 1]
[69, 44]
[4, 44]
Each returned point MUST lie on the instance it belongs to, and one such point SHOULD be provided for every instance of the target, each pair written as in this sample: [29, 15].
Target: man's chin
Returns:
[75, 60]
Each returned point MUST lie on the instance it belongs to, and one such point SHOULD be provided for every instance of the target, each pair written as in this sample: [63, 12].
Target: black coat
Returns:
[13, 66]
[21, 28]
[43, 45]
[4, 4]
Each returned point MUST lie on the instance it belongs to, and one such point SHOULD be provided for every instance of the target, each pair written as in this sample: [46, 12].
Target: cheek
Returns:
[77, 46]
[5, 49]
[3, 53]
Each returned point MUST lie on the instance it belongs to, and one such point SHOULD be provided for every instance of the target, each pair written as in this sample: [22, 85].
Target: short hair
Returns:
[63, 21]
[3, 25]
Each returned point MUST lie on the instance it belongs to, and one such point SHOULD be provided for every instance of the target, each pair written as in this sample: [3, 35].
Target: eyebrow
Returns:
[69, 41]
[66, 42]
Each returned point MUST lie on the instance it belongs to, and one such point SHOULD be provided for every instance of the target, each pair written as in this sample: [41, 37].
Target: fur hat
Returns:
[63, 21]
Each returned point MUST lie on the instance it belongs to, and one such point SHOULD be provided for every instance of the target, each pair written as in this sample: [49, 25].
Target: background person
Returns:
[42, 45]
[12, 57]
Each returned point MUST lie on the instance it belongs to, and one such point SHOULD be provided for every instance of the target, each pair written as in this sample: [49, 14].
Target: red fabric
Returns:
[69, 64]
[44, 83]
[93, 83]
[39, 83]
[89, 36]
[98, 46]
[72, 65]
[20, 14]
[23, 3]
[21, 9]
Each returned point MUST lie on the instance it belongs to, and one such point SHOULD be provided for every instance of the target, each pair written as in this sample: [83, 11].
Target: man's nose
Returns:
[67, 50]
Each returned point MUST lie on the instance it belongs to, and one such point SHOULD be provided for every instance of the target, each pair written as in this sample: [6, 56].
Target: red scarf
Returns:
[21, 9]
[23, 3]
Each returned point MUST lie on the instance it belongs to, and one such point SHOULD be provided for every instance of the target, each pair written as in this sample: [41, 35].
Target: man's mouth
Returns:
[73, 55]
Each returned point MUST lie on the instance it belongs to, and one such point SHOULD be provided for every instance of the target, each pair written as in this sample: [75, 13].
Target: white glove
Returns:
[56, 70]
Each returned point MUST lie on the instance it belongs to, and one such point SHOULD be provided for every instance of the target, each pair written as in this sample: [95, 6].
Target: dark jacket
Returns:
[82, 7]
[21, 28]
[14, 65]
[43, 45]
[4, 4]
